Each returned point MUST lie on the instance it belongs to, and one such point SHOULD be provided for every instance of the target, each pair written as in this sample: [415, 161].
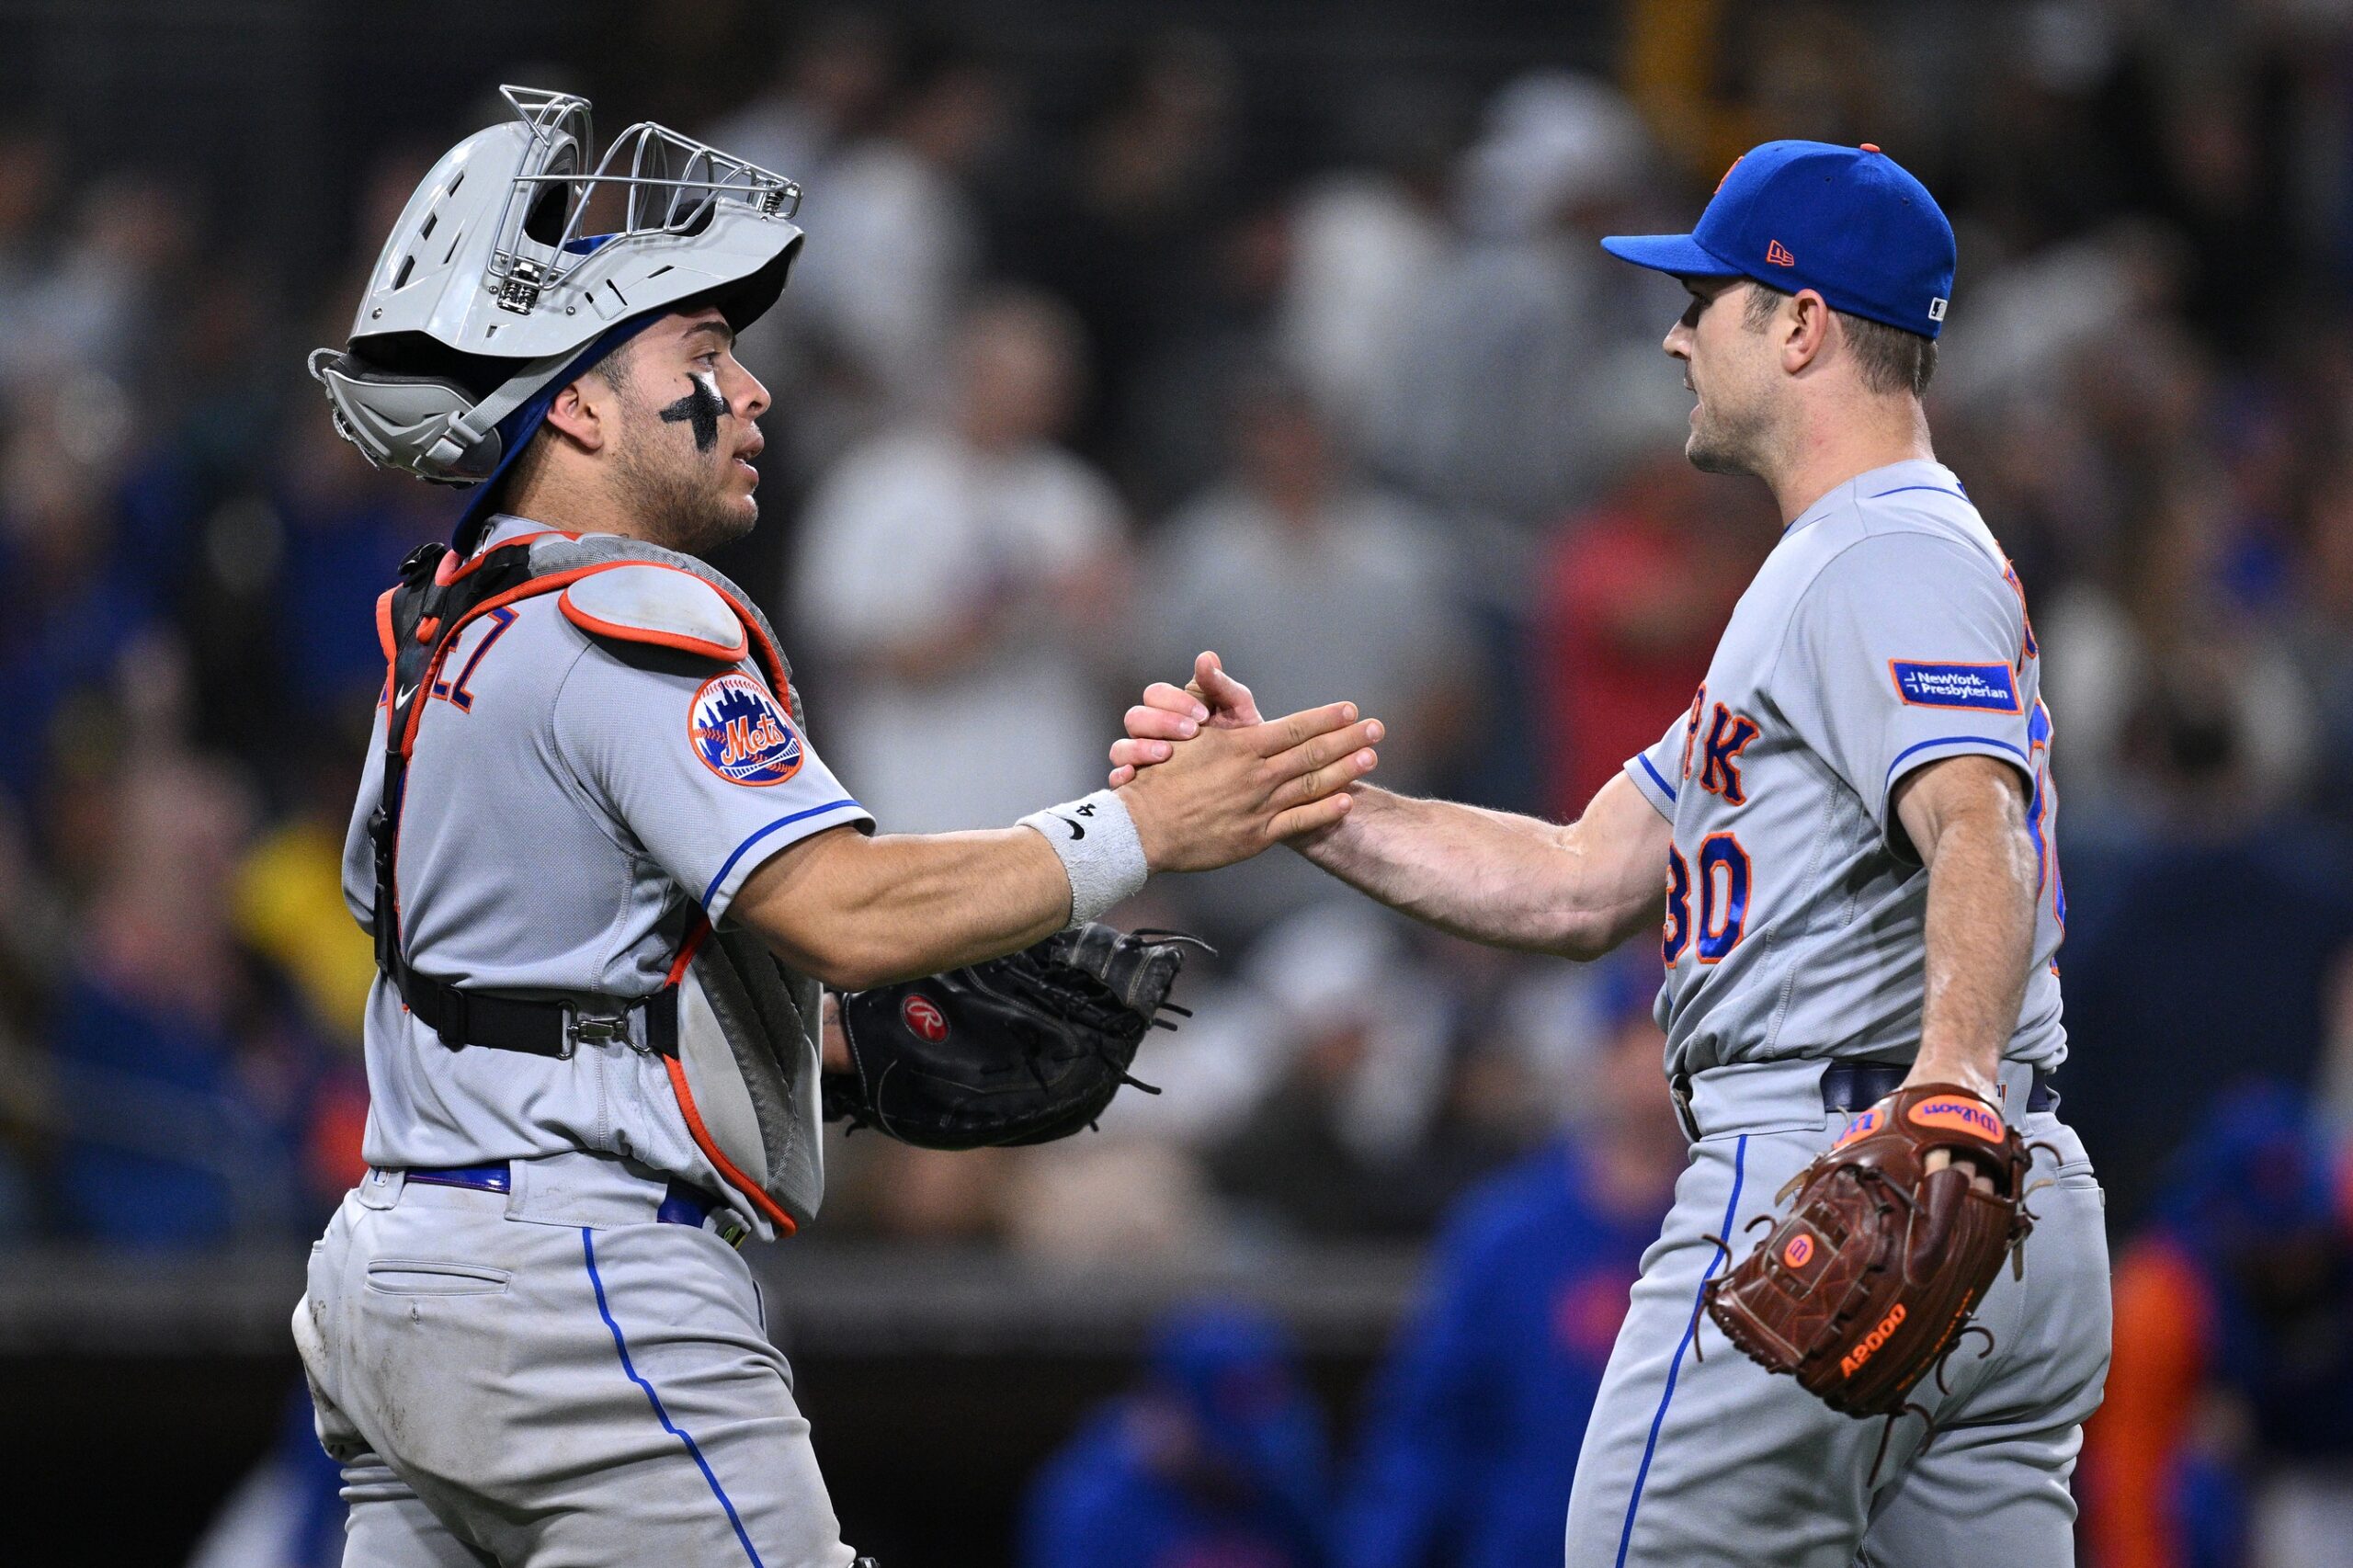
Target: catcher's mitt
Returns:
[1020, 1050]
[1865, 1282]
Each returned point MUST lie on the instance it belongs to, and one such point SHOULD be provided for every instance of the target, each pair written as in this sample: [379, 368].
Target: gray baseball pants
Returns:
[1696, 1456]
[548, 1377]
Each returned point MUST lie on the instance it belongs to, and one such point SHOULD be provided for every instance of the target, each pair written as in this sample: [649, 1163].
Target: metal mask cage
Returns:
[663, 182]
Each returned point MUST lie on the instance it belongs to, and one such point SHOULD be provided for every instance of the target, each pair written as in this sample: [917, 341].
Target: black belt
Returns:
[1857, 1085]
[464, 1017]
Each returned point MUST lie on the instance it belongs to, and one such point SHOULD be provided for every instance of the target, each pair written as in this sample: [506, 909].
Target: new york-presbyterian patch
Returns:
[741, 734]
[1992, 689]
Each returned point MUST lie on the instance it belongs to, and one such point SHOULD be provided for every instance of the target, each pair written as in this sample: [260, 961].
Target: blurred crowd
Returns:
[1074, 382]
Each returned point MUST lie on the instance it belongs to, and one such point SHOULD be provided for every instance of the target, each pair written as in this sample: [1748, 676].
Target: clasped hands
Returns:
[1208, 781]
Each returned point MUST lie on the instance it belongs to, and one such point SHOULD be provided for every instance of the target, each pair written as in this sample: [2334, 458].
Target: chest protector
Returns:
[736, 1029]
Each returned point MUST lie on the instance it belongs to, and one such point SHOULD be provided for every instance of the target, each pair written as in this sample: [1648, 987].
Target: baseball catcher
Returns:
[608, 875]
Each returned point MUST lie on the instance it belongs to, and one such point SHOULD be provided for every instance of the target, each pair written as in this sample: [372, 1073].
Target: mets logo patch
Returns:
[740, 733]
[1991, 688]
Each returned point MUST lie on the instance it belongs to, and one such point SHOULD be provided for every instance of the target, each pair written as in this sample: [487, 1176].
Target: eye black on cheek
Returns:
[702, 406]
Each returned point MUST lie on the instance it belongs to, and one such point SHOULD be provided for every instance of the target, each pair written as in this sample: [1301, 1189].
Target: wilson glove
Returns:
[1870, 1275]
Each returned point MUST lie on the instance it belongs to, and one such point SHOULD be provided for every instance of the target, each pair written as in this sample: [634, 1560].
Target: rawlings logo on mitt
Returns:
[1019, 1050]
[1870, 1276]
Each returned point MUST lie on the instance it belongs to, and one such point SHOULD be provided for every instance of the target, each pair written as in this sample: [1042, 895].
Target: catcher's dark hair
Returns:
[1889, 358]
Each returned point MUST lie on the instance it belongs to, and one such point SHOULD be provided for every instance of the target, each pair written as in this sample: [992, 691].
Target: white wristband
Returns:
[1099, 850]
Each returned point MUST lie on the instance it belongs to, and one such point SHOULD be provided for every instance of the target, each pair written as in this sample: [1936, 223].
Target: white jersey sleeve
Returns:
[703, 766]
[1907, 648]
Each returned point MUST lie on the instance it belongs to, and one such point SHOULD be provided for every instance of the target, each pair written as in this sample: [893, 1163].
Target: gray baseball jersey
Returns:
[1886, 632]
[574, 802]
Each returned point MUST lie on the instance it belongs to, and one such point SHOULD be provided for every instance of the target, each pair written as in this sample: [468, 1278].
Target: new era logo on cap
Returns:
[1845, 222]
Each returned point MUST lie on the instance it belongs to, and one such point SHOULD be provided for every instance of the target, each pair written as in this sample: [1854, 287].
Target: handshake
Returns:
[1209, 782]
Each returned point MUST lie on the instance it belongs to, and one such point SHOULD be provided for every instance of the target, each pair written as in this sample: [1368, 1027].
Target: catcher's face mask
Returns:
[518, 251]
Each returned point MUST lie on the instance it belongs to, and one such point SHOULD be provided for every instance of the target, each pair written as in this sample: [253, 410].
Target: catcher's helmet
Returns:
[490, 285]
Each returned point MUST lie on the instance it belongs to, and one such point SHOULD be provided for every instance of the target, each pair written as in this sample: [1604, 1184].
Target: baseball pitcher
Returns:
[1848, 843]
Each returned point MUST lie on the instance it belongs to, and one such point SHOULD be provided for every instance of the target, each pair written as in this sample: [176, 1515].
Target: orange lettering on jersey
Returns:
[748, 738]
[1691, 727]
[1953, 1115]
[1728, 735]
[2029, 649]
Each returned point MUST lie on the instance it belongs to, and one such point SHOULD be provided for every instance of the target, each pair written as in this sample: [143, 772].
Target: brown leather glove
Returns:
[1868, 1276]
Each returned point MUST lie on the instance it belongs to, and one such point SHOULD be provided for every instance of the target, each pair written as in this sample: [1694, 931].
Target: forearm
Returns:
[1506, 880]
[868, 912]
[1980, 940]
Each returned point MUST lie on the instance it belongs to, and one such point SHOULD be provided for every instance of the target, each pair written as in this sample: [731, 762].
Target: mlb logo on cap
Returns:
[1848, 223]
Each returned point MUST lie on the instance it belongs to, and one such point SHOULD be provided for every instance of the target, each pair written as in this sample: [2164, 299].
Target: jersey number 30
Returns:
[1721, 871]
[1723, 913]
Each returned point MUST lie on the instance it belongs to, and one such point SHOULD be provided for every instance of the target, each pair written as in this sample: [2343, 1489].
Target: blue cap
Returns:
[1848, 223]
